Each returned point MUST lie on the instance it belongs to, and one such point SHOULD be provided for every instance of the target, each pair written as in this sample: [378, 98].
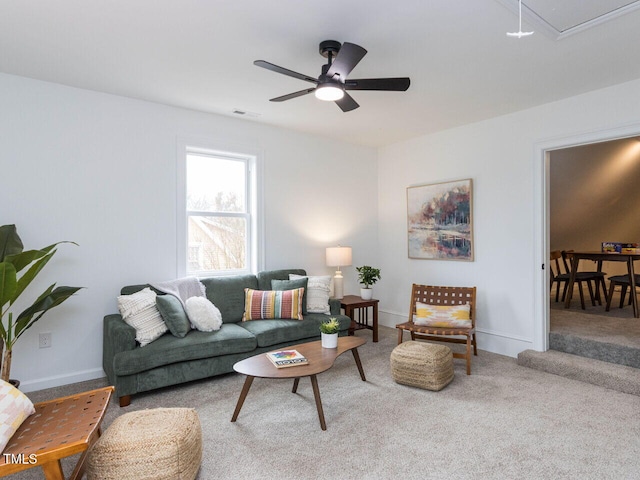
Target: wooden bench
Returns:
[59, 428]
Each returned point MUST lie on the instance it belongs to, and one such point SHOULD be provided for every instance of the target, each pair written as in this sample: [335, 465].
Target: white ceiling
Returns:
[199, 54]
[566, 15]
[560, 19]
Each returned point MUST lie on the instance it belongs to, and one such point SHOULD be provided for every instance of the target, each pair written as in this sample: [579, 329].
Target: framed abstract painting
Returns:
[439, 221]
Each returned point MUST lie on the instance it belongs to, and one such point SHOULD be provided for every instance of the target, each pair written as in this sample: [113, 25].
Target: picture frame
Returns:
[440, 221]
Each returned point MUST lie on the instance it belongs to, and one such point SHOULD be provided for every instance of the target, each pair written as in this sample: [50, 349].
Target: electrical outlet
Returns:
[45, 340]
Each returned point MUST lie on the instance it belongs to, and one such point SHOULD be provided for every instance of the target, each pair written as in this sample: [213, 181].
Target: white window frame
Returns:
[252, 159]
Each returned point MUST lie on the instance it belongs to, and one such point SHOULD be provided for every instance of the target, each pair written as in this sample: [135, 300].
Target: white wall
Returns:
[101, 170]
[502, 157]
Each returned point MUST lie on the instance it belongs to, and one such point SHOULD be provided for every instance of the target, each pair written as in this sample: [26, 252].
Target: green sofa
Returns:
[170, 360]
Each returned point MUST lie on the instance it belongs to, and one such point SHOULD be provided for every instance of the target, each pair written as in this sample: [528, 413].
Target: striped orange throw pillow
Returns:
[270, 304]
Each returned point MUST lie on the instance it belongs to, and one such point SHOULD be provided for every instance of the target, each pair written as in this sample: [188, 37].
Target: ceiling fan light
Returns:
[329, 93]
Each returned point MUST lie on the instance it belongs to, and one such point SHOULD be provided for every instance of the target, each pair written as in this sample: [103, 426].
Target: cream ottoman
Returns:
[156, 444]
[422, 365]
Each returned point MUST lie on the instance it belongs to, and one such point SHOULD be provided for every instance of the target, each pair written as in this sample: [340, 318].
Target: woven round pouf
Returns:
[156, 444]
[423, 365]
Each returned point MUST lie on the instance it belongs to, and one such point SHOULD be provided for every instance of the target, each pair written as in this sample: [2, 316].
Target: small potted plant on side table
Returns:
[367, 276]
[329, 333]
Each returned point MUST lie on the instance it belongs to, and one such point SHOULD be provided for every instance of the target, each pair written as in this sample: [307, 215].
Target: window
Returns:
[219, 224]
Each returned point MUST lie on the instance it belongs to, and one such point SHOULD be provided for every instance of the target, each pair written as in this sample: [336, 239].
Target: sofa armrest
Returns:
[117, 337]
[334, 306]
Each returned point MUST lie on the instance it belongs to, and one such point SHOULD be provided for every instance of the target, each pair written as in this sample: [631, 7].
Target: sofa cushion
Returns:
[265, 278]
[318, 318]
[168, 349]
[227, 293]
[173, 315]
[273, 332]
[271, 304]
[290, 285]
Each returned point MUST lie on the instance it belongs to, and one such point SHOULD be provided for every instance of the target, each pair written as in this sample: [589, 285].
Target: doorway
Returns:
[544, 151]
[594, 198]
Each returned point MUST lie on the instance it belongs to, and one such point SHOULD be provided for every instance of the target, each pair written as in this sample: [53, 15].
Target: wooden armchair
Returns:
[59, 428]
[443, 296]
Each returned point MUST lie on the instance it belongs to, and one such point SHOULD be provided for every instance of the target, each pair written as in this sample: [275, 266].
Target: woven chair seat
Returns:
[434, 330]
[59, 428]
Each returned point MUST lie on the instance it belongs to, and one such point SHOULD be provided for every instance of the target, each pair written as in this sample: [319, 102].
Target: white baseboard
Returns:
[501, 343]
[59, 380]
[491, 341]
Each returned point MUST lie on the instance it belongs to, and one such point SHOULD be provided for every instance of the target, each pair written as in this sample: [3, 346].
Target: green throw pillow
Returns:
[292, 285]
[173, 315]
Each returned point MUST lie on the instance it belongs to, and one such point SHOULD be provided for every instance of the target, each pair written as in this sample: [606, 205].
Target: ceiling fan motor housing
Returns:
[327, 46]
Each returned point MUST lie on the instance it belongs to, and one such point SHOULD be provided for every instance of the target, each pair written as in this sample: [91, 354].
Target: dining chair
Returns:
[625, 282]
[560, 274]
[597, 276]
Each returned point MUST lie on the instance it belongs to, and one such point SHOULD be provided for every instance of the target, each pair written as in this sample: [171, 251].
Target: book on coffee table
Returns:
[287, 358]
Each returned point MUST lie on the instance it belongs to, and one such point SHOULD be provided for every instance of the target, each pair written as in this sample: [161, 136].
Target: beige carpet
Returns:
[502, 422]
[617, 326]
[614, 376]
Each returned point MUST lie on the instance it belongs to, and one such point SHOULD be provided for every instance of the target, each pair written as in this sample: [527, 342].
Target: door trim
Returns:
[541, 159]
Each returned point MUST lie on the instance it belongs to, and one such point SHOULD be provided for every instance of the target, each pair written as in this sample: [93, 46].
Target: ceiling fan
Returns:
[332, 83]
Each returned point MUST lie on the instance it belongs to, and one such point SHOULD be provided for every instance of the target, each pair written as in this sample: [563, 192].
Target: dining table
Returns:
[600, 257]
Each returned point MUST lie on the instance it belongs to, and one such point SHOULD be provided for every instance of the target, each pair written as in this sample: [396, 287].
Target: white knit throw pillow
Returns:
[318, 292]
[139, 310]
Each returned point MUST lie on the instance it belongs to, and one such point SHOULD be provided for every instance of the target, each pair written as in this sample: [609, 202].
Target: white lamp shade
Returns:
[338, 256]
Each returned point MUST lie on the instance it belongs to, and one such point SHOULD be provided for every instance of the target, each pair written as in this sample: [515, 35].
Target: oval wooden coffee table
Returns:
[320, 360]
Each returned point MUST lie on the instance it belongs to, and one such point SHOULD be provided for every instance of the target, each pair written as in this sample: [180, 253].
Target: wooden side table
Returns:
[353, 304]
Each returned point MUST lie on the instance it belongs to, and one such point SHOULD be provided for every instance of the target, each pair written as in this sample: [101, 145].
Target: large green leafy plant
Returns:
[14, 260]
[368, 276]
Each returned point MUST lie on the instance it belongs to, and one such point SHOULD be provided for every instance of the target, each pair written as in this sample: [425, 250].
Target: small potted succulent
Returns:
[367, 276]
[329, 333]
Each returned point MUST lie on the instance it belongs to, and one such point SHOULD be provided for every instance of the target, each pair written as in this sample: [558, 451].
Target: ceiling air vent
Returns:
[244, 113]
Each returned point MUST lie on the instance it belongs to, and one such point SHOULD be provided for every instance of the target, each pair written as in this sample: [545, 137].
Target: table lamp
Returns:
[338, 257]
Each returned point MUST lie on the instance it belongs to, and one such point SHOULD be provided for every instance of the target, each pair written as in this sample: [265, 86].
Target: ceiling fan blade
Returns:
[347, 103]
[392, 84]
[284, 71]
[348, 57]
[292, 95]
